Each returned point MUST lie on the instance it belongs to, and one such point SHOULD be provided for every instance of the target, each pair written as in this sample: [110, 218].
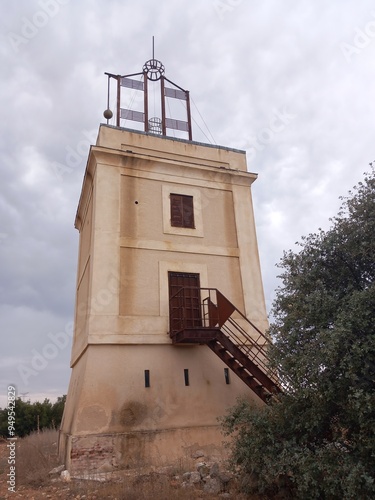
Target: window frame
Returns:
[195, 193]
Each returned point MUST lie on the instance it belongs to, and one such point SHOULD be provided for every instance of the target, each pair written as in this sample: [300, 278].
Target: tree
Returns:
[57, 411]
[31, 417]
[318, 441]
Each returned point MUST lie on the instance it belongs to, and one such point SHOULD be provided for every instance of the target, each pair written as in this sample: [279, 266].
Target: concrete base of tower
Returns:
[146, 405]
[178, 448]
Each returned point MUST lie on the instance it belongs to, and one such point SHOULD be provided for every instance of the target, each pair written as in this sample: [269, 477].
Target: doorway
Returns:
[184, 301]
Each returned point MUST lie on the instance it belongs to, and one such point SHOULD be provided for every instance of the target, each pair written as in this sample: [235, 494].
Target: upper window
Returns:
[182, 210]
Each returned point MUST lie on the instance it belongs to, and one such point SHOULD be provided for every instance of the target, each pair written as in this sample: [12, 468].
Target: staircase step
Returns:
[226, 357]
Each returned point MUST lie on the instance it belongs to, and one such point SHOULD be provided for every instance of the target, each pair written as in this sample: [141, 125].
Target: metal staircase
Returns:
[206, 316]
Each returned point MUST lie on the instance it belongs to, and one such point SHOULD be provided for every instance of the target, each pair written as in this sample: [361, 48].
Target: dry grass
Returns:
[36, 456]
[3, 458]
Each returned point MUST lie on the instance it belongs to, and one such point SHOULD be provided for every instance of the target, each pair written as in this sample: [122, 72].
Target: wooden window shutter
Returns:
[182, 211]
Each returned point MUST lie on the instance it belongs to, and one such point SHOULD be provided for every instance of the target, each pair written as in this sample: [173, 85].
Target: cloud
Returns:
[243, 64]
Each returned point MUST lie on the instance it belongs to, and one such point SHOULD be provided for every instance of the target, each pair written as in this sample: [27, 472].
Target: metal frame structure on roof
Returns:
[153, 71]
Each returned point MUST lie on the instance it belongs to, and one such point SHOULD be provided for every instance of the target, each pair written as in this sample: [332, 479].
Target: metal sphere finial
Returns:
[107, 114]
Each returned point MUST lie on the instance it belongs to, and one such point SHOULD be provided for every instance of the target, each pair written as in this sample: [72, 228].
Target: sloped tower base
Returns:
[114, 421]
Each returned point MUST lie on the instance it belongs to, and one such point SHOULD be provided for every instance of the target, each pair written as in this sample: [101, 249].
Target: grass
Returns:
[36, 456]
[3, 458]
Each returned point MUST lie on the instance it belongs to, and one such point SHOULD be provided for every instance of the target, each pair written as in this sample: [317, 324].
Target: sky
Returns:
[291, 82]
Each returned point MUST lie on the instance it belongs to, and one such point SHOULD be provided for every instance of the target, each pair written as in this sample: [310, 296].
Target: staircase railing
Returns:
[216, 311]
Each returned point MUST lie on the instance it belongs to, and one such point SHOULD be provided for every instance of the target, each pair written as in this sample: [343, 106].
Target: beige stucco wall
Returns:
[127, 247]
[176, 418]
[169, 149]
[118, 400]
[142, 204]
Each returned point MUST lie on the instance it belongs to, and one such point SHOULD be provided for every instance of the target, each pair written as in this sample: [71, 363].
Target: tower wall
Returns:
[127, 248]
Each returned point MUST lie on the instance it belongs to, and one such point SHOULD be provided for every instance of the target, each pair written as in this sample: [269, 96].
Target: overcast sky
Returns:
[291, 82]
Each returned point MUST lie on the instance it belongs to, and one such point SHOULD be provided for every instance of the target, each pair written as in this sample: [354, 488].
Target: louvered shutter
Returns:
[182, 211]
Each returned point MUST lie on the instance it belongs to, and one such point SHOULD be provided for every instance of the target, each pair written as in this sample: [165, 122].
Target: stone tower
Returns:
[169, 301]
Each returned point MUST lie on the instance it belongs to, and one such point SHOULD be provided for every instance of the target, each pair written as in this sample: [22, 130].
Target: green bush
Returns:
[318, 441]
